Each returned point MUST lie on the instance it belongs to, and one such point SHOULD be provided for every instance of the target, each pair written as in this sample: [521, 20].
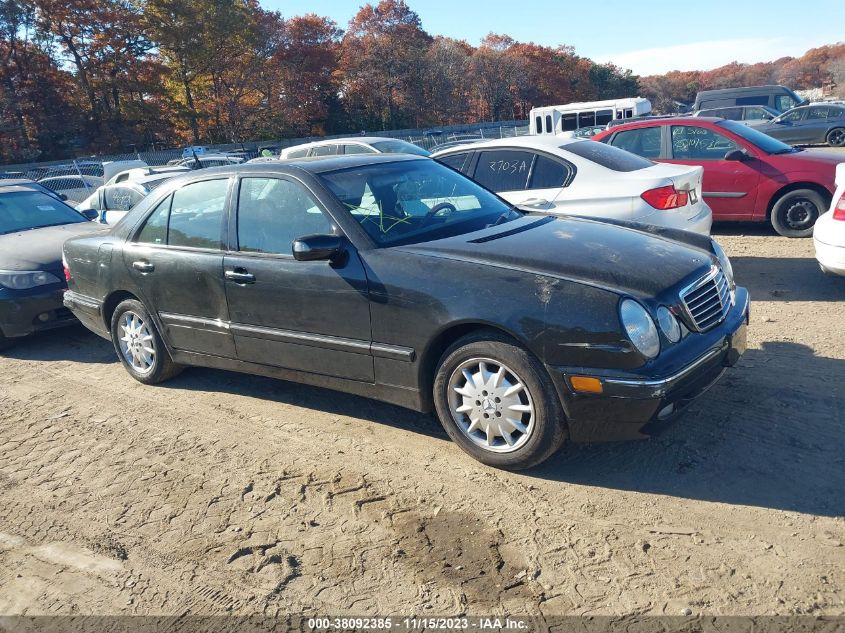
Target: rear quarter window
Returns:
[608, 156]
[455, 161]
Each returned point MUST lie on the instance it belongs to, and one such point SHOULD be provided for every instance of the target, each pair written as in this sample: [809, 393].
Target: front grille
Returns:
[708, 301]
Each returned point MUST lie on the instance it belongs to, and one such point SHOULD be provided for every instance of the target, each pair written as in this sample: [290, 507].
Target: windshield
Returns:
[24, 210]
[399, 147]
[755, 137]
[414, 201]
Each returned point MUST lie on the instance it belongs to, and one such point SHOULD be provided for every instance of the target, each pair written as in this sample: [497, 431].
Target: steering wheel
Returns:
[437, 208]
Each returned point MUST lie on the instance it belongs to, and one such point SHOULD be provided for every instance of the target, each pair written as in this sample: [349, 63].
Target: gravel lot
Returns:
[223, 493]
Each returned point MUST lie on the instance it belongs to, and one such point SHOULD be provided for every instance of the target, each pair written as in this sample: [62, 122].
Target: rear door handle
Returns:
[144, 267]
[240, 276]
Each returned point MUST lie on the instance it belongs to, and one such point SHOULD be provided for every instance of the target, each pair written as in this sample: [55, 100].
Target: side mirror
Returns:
[312, 248]
[90, 214]
[62, 196]
[736, 154]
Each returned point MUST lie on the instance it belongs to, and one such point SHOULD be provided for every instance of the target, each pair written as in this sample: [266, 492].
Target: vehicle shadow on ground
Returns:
[742, 228]
[786, 279]
[308, 397]
[770, 434]
[73, 343]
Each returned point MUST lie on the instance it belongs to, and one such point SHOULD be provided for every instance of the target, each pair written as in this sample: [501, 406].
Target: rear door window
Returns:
[503, 170]
[457, 161]
[690, 142]
[196, 215]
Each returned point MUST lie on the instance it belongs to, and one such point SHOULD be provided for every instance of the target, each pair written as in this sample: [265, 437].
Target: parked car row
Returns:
[527, 291]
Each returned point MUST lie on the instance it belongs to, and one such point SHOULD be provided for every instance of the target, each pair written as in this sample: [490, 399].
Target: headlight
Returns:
[725, 263]
[640, 328]
[668, 324]
[24, 280]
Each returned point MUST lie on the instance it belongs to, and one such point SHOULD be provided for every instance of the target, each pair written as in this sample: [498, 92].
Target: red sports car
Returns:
[747, 174]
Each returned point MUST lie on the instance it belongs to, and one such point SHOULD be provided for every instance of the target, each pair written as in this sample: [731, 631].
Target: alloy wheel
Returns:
[491, 405]
[136, 342]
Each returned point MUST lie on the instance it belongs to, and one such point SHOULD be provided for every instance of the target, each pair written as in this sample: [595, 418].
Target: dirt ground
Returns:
[223, 493]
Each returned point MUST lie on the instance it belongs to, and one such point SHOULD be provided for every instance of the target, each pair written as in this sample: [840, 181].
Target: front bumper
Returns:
[634, 407]
[30, 311]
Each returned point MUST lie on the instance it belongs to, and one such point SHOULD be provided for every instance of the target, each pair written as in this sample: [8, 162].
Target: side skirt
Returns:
[401, 396]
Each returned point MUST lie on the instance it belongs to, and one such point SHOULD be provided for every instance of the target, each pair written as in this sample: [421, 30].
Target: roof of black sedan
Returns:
[315, 164]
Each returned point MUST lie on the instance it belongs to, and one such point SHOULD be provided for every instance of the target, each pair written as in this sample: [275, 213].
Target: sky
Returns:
[649, 37]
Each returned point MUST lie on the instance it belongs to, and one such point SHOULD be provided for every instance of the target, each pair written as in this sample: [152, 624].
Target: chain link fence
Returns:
[77, 179]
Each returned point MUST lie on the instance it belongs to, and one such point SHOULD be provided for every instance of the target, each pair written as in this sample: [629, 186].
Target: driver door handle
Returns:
[240, 276]
[144, 267]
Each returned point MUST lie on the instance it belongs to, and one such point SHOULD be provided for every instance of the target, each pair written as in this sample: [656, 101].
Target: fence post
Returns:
[81, 177]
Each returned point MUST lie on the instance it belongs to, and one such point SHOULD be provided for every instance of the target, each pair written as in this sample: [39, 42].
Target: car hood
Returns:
[622, 257]
[40, 249]
[816, 156]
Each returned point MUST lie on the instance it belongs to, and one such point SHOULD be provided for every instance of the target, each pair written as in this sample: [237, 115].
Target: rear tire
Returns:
[836, 137]
[795, 213]
[496, 401]
[139, 346]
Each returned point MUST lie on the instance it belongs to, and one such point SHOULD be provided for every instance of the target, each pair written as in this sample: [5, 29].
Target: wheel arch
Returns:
[111, 303]
[826, 195]
[445, 338]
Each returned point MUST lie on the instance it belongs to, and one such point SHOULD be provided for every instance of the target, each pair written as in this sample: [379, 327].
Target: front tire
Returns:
[139, 345]
[496, 401]
[836, 137]
[795, 213]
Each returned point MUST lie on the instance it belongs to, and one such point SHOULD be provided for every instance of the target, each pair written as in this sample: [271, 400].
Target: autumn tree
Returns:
[304, 93]
[445, 80]
[382, 60]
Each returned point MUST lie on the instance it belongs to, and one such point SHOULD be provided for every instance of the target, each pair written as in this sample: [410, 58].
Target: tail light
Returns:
[66, 269]
[665, 198]
[839, 209]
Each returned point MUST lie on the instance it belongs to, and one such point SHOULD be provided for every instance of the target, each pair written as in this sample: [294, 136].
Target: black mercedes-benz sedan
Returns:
[33, 227]
[397, 278]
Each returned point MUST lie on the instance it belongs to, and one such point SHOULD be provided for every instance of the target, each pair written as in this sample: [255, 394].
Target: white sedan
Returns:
[583, 177]
[353, 145]
[829, 230]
